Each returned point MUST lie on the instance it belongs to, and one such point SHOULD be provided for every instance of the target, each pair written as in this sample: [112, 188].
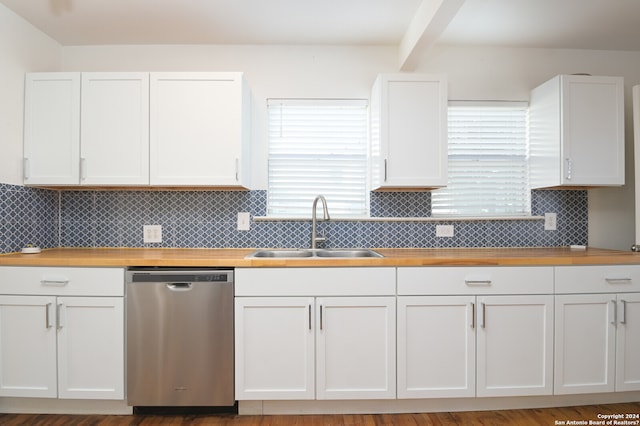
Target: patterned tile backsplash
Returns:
[208, 219]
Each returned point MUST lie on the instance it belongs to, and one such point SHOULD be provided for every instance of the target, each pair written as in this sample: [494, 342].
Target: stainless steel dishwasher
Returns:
[179, 337]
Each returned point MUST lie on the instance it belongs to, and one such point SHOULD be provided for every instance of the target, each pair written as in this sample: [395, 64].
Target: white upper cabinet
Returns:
[52, 129]
[135, 129]
[115, 129]
[199, 129]
[86, 129]
[577, 132]
[409, 132]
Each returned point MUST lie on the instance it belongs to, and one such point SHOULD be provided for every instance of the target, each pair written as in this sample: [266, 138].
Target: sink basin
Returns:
[318, 253]
[281, 253]
[346, 253]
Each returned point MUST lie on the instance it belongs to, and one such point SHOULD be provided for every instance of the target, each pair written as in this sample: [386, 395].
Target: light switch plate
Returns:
[152, 233]
[444, 231]
[550, 222]
[244, 221]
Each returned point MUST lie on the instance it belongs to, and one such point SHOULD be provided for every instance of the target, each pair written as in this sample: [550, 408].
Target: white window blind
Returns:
[317, 147]
[488, 162]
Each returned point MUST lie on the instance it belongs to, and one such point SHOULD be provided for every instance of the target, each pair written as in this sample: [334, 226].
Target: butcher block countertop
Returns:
[169, 257]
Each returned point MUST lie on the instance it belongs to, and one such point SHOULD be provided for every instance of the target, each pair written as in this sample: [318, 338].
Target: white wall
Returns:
[22, 48]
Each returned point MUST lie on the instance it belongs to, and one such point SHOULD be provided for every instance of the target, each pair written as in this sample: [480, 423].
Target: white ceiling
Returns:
[579, 24]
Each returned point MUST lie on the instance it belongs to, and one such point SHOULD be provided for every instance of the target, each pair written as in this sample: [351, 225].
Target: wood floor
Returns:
[547, 416]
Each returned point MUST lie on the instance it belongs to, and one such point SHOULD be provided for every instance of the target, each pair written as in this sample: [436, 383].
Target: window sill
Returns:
[400, 219]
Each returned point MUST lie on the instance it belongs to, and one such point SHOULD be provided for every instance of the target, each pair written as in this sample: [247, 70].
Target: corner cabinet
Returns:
[597, 331]
[577, 132]
[299, 333]
[62, 332]
[408, 132]
[199, 129]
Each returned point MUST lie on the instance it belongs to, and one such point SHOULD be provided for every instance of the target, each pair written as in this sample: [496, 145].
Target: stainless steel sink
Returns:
[346, 253]
[276, 253]
[316, 253]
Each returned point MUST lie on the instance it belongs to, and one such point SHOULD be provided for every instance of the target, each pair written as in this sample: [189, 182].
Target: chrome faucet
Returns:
[314, 238]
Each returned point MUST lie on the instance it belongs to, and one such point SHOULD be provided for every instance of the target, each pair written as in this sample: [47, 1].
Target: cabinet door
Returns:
[197, 128]
[515, 345]
[409, 131]
[355, 347]
[628, 342]
[52, 129]
[592, 130]
[115, 129]
[274, 356]
[585, 343]
[27, 346]
[90, 347]
[436, 347]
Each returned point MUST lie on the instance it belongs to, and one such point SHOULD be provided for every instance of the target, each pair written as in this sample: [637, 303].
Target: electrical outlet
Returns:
[550, 222]
[444, 231]
[152, 233]
[244, 221]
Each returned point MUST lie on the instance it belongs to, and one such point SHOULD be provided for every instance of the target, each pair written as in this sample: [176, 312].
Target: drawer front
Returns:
[597, 279]
[61, 281]
[315, 282]
[475, 280]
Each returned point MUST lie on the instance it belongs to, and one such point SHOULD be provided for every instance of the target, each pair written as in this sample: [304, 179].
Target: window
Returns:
[488, 161]
[317, 147]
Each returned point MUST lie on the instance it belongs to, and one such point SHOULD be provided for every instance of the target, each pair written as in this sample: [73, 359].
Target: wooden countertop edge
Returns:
[125, 257]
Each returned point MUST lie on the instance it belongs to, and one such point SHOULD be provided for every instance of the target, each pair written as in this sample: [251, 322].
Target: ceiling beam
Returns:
[430, 20]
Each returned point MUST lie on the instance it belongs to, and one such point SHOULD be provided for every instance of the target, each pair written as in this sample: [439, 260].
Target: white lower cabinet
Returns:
[514, 345]
[436, 346]
[311, 344]
[355, 347]
[59, 345]
[597, 335]
[315, 348]
[474, 343]
[274, 348]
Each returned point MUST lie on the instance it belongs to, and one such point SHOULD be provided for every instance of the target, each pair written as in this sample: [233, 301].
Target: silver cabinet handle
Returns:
[58, 320]
[569, 168]
[83, 168]
[385, 169]
[309, 316]
[320, 317]
[25, 168]
[484, 312]
[623, 313]
[473, 315]
[237, 169]
[614, 312]
[477, 282]
[54, 282]
[618, 280]
[47, 308]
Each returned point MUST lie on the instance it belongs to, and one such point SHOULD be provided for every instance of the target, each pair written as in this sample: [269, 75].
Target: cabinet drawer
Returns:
[62, 281]
[475, 280]
[598, 279]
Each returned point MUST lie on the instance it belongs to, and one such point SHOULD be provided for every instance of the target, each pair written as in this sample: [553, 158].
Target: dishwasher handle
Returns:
[179, 286]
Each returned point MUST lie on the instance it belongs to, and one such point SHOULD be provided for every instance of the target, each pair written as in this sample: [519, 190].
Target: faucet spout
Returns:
[325, 214]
